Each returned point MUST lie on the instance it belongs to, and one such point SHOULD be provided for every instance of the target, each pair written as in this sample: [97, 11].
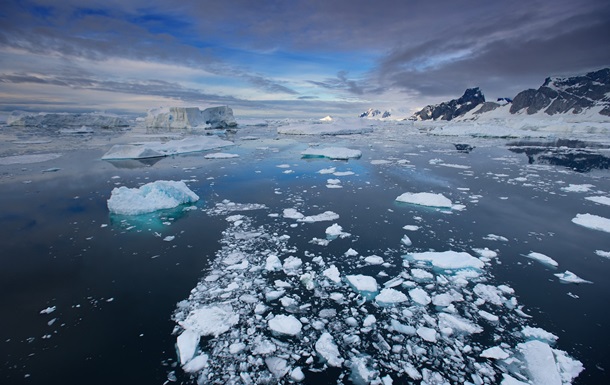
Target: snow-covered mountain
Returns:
[472, 98]
[373, 113]
[573, 94]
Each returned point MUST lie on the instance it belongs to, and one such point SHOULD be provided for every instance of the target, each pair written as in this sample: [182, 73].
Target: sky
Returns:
[288, 58]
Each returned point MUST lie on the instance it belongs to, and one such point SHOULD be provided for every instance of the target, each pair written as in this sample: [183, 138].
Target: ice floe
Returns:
[340, 153]
[425, 199]
[544, 259]
[172, 147]
[27, 159]
[603, 200]
[153, 196]
[569, 277]
[592, 221]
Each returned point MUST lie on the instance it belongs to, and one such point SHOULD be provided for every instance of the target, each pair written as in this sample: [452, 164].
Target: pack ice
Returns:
[158, 149]
[162, 194]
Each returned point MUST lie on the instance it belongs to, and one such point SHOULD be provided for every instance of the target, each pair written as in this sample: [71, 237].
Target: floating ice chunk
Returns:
[292, 264]
[540, 363]
[273, 263]
[196, 364]
[363, 283]
[332, 273]
[162, 194]
[542, 259]
[603, 200]
[401, 328]
[335, 231]
[369, 320]
[211, 320]
[410, 228]
[446, 299]
[285, 324]
[602, 253]
[591, 221]
[509, 380]
[292, 214]
[448, 259]
[237, 347]
[169, 238]
[325, 216]
[421, 275]
[172, 147]
[578, 188]
[327, 349]
[131, 151]
[496, 353]
[332, 153]
[488, 316]
[532, 333]
[48, 310]
[420, 296]
[27, 159]
[220, 155]
[425, 199]
[330, 170]
[187, 343]
[489, 293]
[297, 374]
[485, 253]
[373, 260]
[390, 297]
[569, 277]
[243, 265]
[457, 323]
[494, 237]
[277, 366]
[406, 241]
[380, 161]
[360, 371]
[351, 253]
[427, 334]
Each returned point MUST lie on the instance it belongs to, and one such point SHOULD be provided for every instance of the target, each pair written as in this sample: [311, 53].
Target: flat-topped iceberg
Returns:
[65, 120]
[158, 149]
[591, 221]
[340, 153]
[190, 117]
[159, 195]
[425, 199]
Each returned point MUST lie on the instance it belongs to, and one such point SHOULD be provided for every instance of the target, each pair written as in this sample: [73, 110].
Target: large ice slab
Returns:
[172, 147]
[162, 194]
[448, 260]
[211, 320]
[425, 199]
[591, 221]
[190, 117]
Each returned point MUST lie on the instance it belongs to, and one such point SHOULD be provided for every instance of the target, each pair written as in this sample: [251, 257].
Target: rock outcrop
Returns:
[190, 117]
[562, 95]
[453, 108]
[65, 120]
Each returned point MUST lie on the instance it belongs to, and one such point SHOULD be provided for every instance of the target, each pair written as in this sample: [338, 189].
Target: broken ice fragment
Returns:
[425, 199]
[162, 194]
[285, 325]
[327, 349]
[569, 277]
[211, 320]
[390, 297]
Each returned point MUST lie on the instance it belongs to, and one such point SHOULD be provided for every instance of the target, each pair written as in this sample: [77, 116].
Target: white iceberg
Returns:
[547, 366]
[162, 194]
[190, 117]
[544, 259]
[591, 221]
[569, 277]
[363, 282]
[340, 153]
[211, 320]
[448, 260]
[420, 296]
[390, 297]
[285, 324]
[327, 349]
[326, 126]
[425, 199]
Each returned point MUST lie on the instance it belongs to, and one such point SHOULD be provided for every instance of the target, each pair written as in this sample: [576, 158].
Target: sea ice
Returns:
[578, 188]
[425, 199]
[333, 274]
[27, 159]
[196, 364]
[591, 221]
[533, 333]
[172, 147]
[187, 344]
[457, 323]
[496, 353]
[427, 334]
[448, 260]
[373, 260]
[602, 253]
[420, 296]
[603, 200]
[363, 282]
[211, 320]
[285, 324]
[542, 259]
[569, 277]
[277, 366]
[162, 194]
[323, 217]
[340, 153]
[327, 349]
[220, 155]
[390, 297]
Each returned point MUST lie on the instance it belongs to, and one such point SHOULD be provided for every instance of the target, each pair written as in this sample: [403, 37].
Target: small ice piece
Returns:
[332, 273]
[325, 216]
[196, 364]
[169, 238]
[406, 241]
[336, 231]
[410, 228]
[360, 371]
[489, 293]
[532, 333]
[578, 188]
[292, 264]
[390, 297]
[277, 366]
[363, 283]
[327, 349]
[330, 170]
[544, 259]
[602, 253]
[237, 347]
[341, 153]
[457, 323]
[374, 260]
[297, 374]
[446, 299]
[369, 320]
[187, 343]
[448, 259]
[285, 324]
[421, 275]
[425, 199]
[211, 320]
[569, 277]
[485, 253]
[162, 194]
[351, 253]
[420, 296]
[488, 316]
[401, 328]
[496, 353]
[594, 222]
[494, 237]
[292, 214]
[48, 310]
[509, 380]
[427, 334]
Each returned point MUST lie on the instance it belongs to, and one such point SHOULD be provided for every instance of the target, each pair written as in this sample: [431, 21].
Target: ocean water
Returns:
[115, 284]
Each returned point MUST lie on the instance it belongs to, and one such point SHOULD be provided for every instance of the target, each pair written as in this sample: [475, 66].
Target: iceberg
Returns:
[63, 120]
[190, 117]
[569, 277]
[547, 366]
[542, 259]
[153, 196]
[425, 199]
